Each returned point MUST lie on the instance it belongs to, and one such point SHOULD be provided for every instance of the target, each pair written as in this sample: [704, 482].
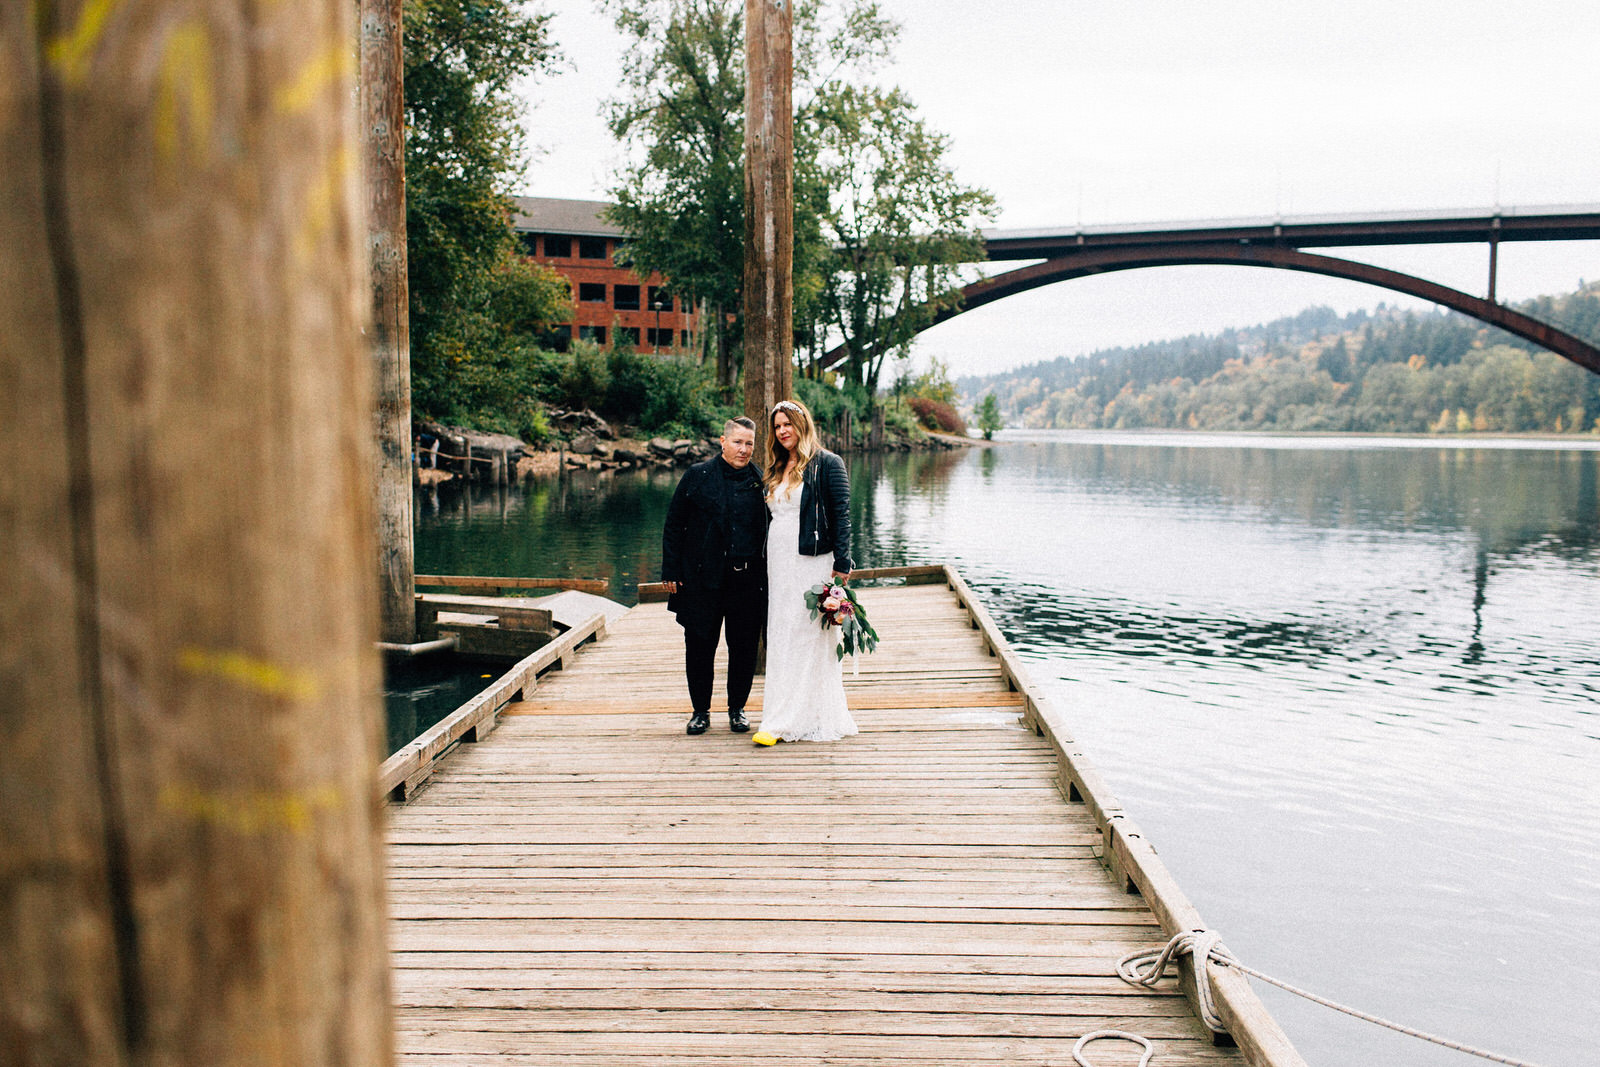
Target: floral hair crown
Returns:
[786, 404]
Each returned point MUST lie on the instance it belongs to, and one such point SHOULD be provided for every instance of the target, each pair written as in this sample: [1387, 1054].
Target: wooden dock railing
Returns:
[404, 771]
[492, 585]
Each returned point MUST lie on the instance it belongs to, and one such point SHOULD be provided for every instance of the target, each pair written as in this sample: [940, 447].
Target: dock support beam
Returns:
[192, 868]
[768, 208]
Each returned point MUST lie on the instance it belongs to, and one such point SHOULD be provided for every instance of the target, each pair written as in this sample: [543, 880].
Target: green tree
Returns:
[474, 301]
[680, 198]
[989, 416]
[899, 226]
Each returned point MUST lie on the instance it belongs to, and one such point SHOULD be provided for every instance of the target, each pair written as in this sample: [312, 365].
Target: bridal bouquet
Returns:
[834, 604]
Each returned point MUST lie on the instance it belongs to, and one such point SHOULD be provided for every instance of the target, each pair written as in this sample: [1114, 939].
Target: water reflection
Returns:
[1384, 566]
[420, 692]
[583, 524]
[1508, 497]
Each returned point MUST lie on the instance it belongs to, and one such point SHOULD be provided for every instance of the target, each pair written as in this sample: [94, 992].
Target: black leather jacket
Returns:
[694, 539]
[825, 510]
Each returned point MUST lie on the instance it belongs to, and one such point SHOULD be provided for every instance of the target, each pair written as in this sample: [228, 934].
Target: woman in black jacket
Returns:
[808, 543]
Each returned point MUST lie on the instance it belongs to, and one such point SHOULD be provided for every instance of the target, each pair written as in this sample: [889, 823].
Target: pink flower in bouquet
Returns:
[834, 605]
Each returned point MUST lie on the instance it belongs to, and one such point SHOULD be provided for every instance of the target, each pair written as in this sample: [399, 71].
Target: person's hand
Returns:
[842, 578]
[672, 587]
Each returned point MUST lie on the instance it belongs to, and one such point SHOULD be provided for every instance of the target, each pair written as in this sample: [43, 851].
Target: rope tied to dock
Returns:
[1146, 967]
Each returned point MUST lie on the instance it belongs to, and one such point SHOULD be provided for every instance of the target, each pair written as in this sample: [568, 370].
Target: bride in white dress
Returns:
[808, 492]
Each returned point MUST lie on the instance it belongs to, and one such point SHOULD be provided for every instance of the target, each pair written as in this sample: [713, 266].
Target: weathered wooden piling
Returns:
[189, 863]
[389, 333]
[768, 207]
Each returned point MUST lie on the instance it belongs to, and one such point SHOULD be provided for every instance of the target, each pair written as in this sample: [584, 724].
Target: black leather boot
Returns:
[736, 721]
[699, 722]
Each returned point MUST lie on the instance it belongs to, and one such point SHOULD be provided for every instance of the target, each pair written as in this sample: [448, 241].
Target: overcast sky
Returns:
[1107, 111]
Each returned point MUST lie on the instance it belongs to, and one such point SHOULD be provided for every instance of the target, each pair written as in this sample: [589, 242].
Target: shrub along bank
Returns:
[645, 396]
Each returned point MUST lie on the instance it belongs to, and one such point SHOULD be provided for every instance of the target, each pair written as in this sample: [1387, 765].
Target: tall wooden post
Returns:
[768, 207]
[384, 166]
[190, 862]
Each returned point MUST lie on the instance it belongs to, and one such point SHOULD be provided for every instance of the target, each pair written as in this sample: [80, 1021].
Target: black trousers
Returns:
[738, 610]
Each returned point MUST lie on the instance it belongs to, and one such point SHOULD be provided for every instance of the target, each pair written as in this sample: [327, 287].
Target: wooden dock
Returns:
[592, 886]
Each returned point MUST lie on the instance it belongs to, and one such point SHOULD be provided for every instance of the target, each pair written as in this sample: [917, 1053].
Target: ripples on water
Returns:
[1346, 686]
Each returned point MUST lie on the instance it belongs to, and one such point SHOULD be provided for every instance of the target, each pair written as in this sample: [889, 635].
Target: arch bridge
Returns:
[1061, 254]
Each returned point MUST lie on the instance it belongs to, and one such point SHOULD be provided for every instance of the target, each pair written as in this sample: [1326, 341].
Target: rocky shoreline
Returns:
[586, 442]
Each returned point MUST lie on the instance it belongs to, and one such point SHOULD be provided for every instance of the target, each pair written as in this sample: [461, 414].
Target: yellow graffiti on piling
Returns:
[330, 68]
[248, 672]
[255, 812]
[184, 85]
[71, 52]
[321, 200]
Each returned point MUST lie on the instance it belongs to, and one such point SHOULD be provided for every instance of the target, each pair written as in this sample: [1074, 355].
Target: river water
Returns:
[1347, 687]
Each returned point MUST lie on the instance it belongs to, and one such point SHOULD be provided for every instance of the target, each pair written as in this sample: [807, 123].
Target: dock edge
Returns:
[404, 772]
[1127, 853]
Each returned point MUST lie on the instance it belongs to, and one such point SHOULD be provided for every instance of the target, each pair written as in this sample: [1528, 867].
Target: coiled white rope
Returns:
[1083, 1060]
[1147, 966]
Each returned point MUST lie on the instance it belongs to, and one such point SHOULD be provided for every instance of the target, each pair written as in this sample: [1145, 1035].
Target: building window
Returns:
[592, 292]
[628, 335]
[557, 247]
[660, 299]
[625, 298]
[558, 338]
[530, 243]
[658, 339]
[685, 338]
[591, 248]
[597, 334]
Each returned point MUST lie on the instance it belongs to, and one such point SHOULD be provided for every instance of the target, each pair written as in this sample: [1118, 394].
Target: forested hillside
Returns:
[1383, 371]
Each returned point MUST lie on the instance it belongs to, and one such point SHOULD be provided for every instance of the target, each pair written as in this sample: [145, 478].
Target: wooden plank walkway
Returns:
[592, 886]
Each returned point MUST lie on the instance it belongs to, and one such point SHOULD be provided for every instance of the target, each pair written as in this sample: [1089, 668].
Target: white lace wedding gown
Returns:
[804, 698]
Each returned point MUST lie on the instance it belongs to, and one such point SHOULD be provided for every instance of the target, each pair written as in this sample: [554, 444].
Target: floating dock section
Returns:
[952, 886]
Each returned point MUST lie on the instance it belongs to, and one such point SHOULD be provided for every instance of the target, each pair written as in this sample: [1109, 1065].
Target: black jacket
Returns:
[694, 540]
[825, 510]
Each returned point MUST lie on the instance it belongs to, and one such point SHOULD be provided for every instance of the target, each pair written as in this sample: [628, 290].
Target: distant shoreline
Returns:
[1583, 442]
[959, 441]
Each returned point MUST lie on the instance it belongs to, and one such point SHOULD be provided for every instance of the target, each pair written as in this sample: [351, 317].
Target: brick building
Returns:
[570, 237]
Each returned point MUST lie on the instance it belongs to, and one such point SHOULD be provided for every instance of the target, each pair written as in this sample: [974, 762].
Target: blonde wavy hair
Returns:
[808, 445]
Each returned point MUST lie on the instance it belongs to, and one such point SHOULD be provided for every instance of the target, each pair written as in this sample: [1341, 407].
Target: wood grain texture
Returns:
[594, 886]
[768, 289]
[190, 863]
[383, 153]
